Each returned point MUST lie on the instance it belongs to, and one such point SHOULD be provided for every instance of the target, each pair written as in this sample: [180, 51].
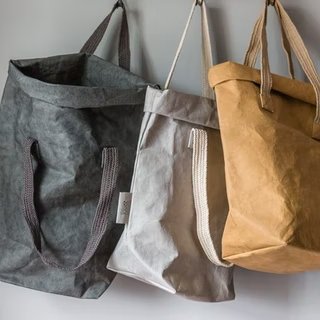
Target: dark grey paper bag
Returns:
[68, 136]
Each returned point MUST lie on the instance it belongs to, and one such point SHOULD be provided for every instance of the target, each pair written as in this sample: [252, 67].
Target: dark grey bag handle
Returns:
[124, 43]
[100, 222]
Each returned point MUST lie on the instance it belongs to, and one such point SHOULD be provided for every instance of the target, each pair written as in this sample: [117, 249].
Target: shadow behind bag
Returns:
[69, 131]
[270, 133]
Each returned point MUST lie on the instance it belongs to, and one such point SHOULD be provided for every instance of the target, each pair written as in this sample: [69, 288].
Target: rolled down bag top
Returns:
[170, 241]
[270, 133]
[68, 136]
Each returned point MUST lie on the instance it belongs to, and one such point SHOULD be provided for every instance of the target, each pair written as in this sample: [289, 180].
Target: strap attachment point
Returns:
[271, 2]
[119, 4]
[199, 2]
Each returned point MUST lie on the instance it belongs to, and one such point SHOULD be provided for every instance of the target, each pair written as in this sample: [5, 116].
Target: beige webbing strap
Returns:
[304, 58]
[206, 49]
[266, 77]
[199, 144]
[302, 54]
[255, 46]
[286, 46]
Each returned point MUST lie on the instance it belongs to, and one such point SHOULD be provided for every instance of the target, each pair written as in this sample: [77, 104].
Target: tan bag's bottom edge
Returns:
[282, 259]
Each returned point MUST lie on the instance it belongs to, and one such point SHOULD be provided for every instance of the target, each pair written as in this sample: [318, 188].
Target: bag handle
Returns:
[199, 144]
[124, 43]
[303, 57]
[100, 222]
[255, 46]
[207, 60]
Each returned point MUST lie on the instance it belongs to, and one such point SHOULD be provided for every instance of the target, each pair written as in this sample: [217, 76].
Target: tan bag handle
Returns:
[302, 54]
[255, 46]
[206, 49]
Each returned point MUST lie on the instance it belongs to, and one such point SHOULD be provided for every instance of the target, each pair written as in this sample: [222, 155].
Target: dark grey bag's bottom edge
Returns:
[84, 296]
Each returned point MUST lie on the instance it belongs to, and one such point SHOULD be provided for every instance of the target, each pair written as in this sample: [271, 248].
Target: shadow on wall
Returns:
[277, 290]
[261, 287]
[109, 46]
[143, 54]
[110, 43]
[219, 32]
[217, 21]
[253, 286]
[256, 294]
[307, 27]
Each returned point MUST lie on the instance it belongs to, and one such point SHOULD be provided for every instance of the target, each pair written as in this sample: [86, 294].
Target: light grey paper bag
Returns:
[69, 132]
[170, 241]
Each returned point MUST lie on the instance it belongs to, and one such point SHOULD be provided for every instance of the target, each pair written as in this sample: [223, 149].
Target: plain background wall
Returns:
[37, 28]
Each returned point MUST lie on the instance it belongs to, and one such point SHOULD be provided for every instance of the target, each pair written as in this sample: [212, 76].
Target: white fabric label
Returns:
[124, 207]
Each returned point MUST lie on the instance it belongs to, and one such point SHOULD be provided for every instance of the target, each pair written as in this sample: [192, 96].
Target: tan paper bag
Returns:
[270, 131]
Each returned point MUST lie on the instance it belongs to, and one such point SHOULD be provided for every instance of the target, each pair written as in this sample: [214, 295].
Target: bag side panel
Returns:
[272, 167]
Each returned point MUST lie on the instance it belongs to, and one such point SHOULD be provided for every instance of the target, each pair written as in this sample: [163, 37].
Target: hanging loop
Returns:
[199, 2]
[119, 4]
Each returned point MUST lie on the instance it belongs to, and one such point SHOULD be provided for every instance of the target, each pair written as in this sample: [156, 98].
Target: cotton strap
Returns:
[255, 47]
[300, 51]
[206, 50]
[199, 145]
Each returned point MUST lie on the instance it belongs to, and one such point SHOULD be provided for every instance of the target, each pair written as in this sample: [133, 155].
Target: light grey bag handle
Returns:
[100, 222]
[207, 60]
[124, 43]
[199, 145]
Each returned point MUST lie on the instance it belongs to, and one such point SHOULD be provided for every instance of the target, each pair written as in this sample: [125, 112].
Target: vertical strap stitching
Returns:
[302, 55]
[199, 142]
[100, 222]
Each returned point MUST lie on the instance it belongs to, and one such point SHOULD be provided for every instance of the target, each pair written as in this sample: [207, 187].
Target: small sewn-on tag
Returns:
[124, 207]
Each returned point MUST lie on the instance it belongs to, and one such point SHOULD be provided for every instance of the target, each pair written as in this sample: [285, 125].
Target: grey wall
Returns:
[37, 28]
